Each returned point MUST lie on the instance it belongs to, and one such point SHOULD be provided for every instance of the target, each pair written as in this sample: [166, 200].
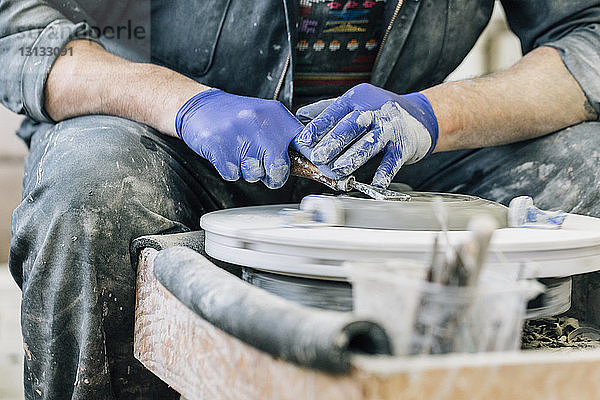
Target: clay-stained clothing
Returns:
[225, 44]
[83, 203]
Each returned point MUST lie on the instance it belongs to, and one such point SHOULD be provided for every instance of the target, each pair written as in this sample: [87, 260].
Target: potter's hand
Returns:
[240, 136]
[364, 121]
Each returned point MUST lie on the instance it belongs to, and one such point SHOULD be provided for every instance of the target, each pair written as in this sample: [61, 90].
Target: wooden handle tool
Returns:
[302, 167]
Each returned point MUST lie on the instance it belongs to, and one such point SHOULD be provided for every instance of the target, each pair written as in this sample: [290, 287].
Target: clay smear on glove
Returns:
[252, 169]
[390, 123]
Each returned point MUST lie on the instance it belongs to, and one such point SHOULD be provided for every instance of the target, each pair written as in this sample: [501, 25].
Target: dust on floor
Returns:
[558, 332]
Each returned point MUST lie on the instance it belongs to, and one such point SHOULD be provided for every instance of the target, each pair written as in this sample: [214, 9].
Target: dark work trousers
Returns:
[93, 184]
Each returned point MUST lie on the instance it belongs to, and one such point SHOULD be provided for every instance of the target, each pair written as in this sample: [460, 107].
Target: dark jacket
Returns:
[226, 44]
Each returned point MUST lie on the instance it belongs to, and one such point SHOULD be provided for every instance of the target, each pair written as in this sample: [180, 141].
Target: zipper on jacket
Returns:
[282, 78]
[388, 29]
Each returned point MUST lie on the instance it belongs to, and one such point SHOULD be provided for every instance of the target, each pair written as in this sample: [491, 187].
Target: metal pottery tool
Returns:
[300, 166]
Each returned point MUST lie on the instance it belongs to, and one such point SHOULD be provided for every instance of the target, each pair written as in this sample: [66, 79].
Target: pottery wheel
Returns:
[257, 237]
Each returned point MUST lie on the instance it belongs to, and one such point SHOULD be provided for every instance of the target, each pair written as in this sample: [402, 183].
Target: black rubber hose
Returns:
[306, 336]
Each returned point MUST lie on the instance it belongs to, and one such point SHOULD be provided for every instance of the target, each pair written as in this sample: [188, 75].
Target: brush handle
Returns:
[302, 167]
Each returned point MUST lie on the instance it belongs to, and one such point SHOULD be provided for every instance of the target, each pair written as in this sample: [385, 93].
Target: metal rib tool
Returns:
[376, 192]
[302, 167]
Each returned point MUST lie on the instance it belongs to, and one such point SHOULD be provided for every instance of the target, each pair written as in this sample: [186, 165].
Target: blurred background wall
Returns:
[12, 155]
[497, 49]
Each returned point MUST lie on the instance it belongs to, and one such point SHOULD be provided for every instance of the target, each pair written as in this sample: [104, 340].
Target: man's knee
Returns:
[567, 165]
[102, 164]
[93, 183]
[85, 157]
[559, 170]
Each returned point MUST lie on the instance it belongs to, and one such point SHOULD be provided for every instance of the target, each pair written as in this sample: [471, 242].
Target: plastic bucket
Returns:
[375, 296]
[427, 318]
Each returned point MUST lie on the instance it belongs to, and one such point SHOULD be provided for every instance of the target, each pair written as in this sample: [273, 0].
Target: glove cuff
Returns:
[423, 112]
[193, 104]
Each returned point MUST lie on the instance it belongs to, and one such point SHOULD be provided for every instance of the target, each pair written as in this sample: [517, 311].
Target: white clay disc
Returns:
[417, 214]
[256, 237]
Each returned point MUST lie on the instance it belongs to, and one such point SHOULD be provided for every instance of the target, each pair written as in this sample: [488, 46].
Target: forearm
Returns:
[535, 97]
[93, 81]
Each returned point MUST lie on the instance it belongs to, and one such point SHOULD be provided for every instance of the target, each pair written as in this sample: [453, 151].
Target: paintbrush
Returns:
[457, 267]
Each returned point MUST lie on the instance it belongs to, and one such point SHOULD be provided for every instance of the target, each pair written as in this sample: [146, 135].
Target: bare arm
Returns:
[243, 137]
[93, 81]
[535, 97]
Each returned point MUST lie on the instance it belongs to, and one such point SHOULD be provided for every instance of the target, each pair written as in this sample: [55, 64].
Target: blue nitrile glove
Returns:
[361, 123]
[240, 136]
[309, 112]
